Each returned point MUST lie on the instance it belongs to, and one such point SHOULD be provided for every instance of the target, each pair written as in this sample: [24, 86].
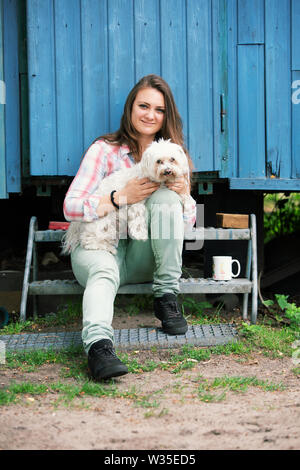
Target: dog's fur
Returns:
[162, 161]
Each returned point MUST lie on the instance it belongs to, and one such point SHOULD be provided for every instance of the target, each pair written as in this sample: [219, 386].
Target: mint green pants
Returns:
[157, 260]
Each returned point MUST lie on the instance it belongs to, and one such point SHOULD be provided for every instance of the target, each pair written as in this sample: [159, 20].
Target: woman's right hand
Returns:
[136, 190]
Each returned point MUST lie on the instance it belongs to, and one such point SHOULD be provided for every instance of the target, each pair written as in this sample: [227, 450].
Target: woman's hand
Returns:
[179, 185]
[135, 190]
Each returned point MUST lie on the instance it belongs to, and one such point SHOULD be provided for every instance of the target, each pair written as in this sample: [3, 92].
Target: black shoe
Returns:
[103, 362]
[166, 309]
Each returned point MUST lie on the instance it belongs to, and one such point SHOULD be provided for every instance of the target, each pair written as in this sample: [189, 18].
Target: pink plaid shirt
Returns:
[100, 160]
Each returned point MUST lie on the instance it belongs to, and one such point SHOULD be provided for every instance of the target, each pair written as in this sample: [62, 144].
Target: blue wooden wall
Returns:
[3, 192]
[84, 56]
[263, 64]
[10, 156]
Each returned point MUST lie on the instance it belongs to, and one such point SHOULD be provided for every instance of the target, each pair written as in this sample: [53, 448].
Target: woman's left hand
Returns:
[179, 185]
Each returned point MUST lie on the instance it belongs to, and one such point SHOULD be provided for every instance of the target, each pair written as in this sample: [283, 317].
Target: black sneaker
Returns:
[103, 362]
[167, 311]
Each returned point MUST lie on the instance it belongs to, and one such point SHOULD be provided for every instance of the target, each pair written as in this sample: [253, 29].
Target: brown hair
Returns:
[172, 125]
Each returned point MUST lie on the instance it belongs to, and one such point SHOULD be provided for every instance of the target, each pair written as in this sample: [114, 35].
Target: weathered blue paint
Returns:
[12, 109]
[199, 62]
[10, 161]
[95, 87]
[250, 89]
[295, 125]
[265, 184]
[147, 25]
[3, 192]
[85, 56]
[278, 88]
[295, 88]
[269, 146]
[295, 8]
[251, 157]
[121, 57]
[251, 20]
[69, 115]
[97, 50]
[42, 87]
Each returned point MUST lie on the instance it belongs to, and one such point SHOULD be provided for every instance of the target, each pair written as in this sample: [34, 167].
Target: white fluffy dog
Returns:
[162, 161]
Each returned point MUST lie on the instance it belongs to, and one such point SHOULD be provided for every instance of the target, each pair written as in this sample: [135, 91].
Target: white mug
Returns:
[222, 268]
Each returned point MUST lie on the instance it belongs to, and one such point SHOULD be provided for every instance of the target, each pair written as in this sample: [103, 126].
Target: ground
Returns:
[254, 419]
[256, 405]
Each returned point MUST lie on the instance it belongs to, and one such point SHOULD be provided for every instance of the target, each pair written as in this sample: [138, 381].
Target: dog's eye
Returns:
[172, 159]
[158, 161]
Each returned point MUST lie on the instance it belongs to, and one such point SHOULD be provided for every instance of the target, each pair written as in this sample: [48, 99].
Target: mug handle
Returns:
[239, 267]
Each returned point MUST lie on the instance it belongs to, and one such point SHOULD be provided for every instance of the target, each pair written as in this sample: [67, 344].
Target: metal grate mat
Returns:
[126, 339]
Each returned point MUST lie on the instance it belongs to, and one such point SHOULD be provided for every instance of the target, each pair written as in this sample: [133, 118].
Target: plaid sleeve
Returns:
[189, 212]
[80, 202]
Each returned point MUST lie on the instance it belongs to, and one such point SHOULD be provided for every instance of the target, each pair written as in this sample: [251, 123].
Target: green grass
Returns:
[66, 315]
[272, 342]
[239, 384]
[264, 339]
[63, 392]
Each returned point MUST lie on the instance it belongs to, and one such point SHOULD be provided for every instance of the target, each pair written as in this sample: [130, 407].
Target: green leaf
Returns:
[282, 301]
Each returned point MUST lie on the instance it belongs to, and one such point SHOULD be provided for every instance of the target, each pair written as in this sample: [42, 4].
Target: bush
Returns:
[282, 215]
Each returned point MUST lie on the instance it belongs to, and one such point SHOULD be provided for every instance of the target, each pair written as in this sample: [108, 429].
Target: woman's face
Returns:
[148, 112]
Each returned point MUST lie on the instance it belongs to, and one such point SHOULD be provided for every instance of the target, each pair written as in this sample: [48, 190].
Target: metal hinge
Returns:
[222, 112]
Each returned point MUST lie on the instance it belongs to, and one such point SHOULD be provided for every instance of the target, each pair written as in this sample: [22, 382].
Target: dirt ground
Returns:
[177, 419]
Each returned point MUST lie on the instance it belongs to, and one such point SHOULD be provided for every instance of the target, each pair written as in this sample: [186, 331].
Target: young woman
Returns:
[149, 114]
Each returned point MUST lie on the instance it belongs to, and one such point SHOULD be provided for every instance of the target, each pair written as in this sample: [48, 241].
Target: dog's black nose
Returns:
[167, 172]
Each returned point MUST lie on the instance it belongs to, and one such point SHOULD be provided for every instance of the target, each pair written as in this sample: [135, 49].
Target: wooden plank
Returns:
[251, 111]
[121, 57]
[199, 63]
[95, 84]
[3, 192]
[173, 52]
[232, 119]
[24, 106]
[42, 92]
[265, 184]
[296, 124]
[278, 87]
[232, 220]
[295, 22]
[68, 86]
[220, 86]
[251, 21]
[12, 109]
[146, 38]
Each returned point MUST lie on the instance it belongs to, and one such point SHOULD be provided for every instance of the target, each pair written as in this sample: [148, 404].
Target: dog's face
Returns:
[164, 161]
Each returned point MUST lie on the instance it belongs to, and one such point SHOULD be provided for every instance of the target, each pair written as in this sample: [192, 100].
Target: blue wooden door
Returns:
[85, 56]
[263, 120]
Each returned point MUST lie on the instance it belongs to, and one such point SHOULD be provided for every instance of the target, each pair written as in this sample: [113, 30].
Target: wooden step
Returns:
[187, 286]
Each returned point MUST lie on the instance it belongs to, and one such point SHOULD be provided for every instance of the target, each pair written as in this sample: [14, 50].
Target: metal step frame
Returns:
[243, 286]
